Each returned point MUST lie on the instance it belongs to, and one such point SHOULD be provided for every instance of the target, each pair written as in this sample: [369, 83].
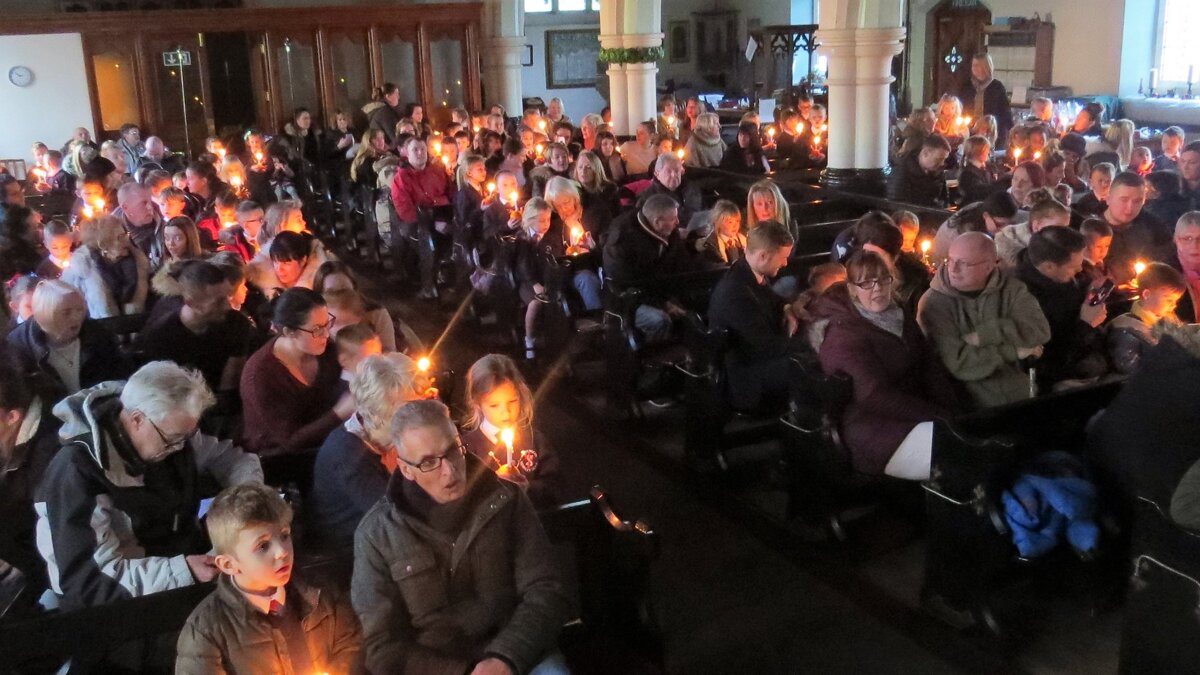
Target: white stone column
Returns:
[860, 38]
[874, 51]
[618, 99]
[503, 47]
[632, 86]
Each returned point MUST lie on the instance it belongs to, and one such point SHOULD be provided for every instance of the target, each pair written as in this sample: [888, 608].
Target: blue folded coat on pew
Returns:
[1041, 511]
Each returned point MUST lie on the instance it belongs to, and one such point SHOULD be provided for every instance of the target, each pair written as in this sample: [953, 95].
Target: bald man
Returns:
[983, 322]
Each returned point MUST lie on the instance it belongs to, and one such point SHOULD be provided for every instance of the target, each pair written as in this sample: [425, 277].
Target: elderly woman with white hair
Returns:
[61, 344]
[112, 274]
[117, 505]
[357, 459]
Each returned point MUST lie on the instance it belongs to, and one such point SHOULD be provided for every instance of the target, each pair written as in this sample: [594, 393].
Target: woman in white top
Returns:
[640, 154]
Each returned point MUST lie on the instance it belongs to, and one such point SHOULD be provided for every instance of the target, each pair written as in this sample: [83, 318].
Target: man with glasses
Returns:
[117, 507]
[452, 570]
[982, 322]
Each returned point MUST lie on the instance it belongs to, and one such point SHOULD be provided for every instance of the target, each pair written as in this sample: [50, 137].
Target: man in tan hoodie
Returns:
[982, 322]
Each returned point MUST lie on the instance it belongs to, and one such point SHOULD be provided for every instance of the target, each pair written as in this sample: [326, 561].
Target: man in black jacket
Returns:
[669, 180]
[1137, 236]
[759, 323]
[645, 245]
[919, 177]
[1049, 267]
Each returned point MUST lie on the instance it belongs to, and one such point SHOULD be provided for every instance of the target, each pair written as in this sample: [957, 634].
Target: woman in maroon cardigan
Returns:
[290, 389]
[900, 385]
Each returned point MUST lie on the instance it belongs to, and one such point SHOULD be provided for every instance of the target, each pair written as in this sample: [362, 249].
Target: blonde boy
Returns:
[260, 619]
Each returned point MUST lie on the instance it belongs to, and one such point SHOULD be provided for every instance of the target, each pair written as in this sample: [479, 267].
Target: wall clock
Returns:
[21, 76]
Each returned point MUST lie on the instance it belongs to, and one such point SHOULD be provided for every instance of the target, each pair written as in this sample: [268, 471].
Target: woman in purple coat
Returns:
[900, 386]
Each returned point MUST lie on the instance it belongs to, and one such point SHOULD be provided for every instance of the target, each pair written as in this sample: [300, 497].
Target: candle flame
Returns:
[799, 128]
[258, 157]
[817, 139]
[99, 204]
[491, 187]
[670, 120]
[221, 153]
[514, 196]
[506, 436]
[87, 211]
[1016, 153]
[437, 148]
[1138, 268]
[541, 125]
[1037, 154]
[423, 364]
[680, 153]
[771, 132]
[235, 181]
[476, 128]
[926, 245]
[539, 148]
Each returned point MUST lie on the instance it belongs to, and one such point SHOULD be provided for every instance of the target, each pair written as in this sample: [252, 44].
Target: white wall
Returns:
[55, 104]
[577, 102]
[1087, 41]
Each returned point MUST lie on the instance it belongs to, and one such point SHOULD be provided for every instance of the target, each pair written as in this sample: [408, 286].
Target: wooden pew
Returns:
[1161, 630]
[611, 557]
[975, 458]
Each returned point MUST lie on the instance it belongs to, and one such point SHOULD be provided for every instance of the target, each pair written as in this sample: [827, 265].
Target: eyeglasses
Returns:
[963, 264]
[434, 463]
[169, 446]
[322, 330]
[872, 284]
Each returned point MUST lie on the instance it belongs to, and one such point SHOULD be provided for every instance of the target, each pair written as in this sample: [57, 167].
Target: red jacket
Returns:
[898, 382]
[412, 188]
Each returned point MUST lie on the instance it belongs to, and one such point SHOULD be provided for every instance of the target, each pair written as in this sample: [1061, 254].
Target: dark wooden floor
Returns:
[738, 589]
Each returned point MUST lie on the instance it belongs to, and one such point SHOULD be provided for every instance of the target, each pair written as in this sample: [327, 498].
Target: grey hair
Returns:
[127, 191]
[419, 415]
[160, 387]
[657, 206]
[384, 383]
[562, 188]
[1189, 219]
[50, 294]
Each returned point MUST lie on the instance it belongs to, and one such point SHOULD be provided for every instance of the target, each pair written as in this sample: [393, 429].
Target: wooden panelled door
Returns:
[954, 33]
[177, 69]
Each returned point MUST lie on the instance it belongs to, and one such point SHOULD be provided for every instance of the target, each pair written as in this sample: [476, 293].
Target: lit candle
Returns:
[817, 140]
[799, 128]
[670, 120]
[506, 437]
[514, 196]
[542, 125]
[423, 364]
[491, 188]
[1037, 154]
[98, 204]
[1138, 268]
[967, 120]
[680, 153]
[476, 128]
[437, 148]
[228, 224]
[539, 148]
[925, 246]
[1017, 154]
[87, 211]
[771, 133]
[258, 157]
[576, 235]
[235, 181]
[220, 153]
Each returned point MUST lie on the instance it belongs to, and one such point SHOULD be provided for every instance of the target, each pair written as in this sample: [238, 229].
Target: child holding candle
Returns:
[500, 399]
[261, 618]
[1129, 335]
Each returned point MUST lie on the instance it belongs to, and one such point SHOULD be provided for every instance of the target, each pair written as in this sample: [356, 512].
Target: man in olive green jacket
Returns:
[982, 322]
[453, 573]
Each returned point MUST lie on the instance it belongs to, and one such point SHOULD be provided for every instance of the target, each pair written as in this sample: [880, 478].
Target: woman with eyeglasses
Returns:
[900, 386]
[290, 389]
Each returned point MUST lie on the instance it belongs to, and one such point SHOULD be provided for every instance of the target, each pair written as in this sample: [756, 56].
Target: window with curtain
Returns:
[1181, 24]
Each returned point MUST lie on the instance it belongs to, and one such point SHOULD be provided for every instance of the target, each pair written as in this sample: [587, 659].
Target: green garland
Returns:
[622, 55]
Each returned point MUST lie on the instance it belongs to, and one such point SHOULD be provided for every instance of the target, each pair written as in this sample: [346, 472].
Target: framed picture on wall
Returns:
[680, 47]
[572, 58]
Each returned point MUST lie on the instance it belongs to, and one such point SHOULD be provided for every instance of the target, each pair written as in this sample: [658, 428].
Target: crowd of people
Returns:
[258, 360]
